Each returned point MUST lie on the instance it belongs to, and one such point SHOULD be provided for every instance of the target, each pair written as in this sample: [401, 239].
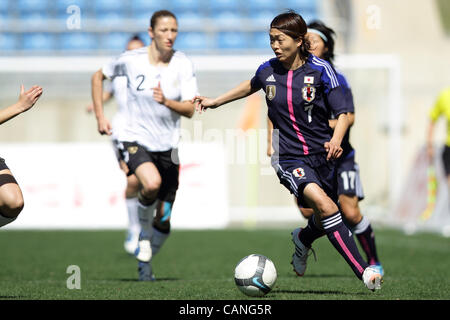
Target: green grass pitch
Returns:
[199, 265]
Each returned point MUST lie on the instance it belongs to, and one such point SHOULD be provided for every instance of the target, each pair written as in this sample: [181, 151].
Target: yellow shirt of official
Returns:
[442, 108]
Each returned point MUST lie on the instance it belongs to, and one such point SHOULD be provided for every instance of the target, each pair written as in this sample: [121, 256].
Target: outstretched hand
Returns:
[28, 98]
[202, 103]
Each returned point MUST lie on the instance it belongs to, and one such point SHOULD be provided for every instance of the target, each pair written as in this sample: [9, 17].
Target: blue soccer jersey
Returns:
[299, 104]
[350, 107]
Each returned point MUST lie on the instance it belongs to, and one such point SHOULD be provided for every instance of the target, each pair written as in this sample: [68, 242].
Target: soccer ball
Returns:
[255, 275]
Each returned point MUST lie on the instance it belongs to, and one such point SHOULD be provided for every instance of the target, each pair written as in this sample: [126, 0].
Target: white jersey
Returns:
[118, 89]
[151, 124]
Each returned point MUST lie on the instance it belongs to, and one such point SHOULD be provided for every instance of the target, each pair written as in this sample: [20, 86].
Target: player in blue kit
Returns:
[349, 186]
[300, 91]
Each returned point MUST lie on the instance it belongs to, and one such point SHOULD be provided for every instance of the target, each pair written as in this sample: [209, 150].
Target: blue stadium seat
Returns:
[4, 20]
[38, 42]
[145, 37]
[185, 4]
[143, 19]
[216, 5]
[232, 40]
[62, 5]
[309, 17]
[191, 41]
[78, 41]
[262, 18]
[31, 5]
[147, 6]
[8, 41]
[4, 6]
[189, 19]
[34, 19]
[227, 19]
[303, 5]
[109, 19]
[262, 5]
[260, 40]
[108, 6]
[115, 41]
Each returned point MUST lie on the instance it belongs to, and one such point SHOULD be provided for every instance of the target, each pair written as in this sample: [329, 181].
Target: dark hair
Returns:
[160, 14]
[329, 43]
[292, 24]
[136, 37]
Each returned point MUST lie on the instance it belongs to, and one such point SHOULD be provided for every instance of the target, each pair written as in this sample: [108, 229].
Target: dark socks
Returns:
[342, 239]
[367, 241]
[310, 233]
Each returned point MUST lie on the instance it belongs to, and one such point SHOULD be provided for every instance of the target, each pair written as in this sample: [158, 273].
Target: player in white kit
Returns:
[160, 86]
[118, 89]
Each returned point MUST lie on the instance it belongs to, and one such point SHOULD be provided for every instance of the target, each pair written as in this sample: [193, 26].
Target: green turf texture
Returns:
[199, 265]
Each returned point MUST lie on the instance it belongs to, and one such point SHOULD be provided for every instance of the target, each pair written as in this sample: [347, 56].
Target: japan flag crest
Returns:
[308, 93]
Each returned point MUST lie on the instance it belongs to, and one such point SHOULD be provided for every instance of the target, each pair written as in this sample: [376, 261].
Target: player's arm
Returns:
[333, 147]
[103, 125]
[184, 108]
[243, 90]
[269, 137]
[350, 117]
[26, 100]
[107, 95]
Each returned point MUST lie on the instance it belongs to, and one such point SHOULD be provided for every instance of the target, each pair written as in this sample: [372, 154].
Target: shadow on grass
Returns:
[12, 297]
[157, 280]
[322, 292]
[309, 291]
[326, 276]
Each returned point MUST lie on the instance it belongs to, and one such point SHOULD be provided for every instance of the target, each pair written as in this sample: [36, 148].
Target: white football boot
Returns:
[372, 278]
[300, 254]
[131, 242]
[144, 250]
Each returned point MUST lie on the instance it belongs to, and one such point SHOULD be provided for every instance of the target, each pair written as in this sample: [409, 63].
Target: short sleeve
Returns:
[189, 88]
[337, 101]
[348, 95]
[255, 82]
[349, 101]
[109, 67]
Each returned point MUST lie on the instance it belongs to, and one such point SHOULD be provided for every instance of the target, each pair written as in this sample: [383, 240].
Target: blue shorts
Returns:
[349, 182]
[296, 174]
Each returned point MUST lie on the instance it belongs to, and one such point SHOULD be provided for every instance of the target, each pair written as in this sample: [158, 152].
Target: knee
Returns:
[12, 205]
[350, 210]
[325, 206]
[306, 213]
[352, 215]
[150, 188]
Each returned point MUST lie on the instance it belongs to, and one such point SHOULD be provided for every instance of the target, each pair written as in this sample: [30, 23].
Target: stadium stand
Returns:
[34, 26]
